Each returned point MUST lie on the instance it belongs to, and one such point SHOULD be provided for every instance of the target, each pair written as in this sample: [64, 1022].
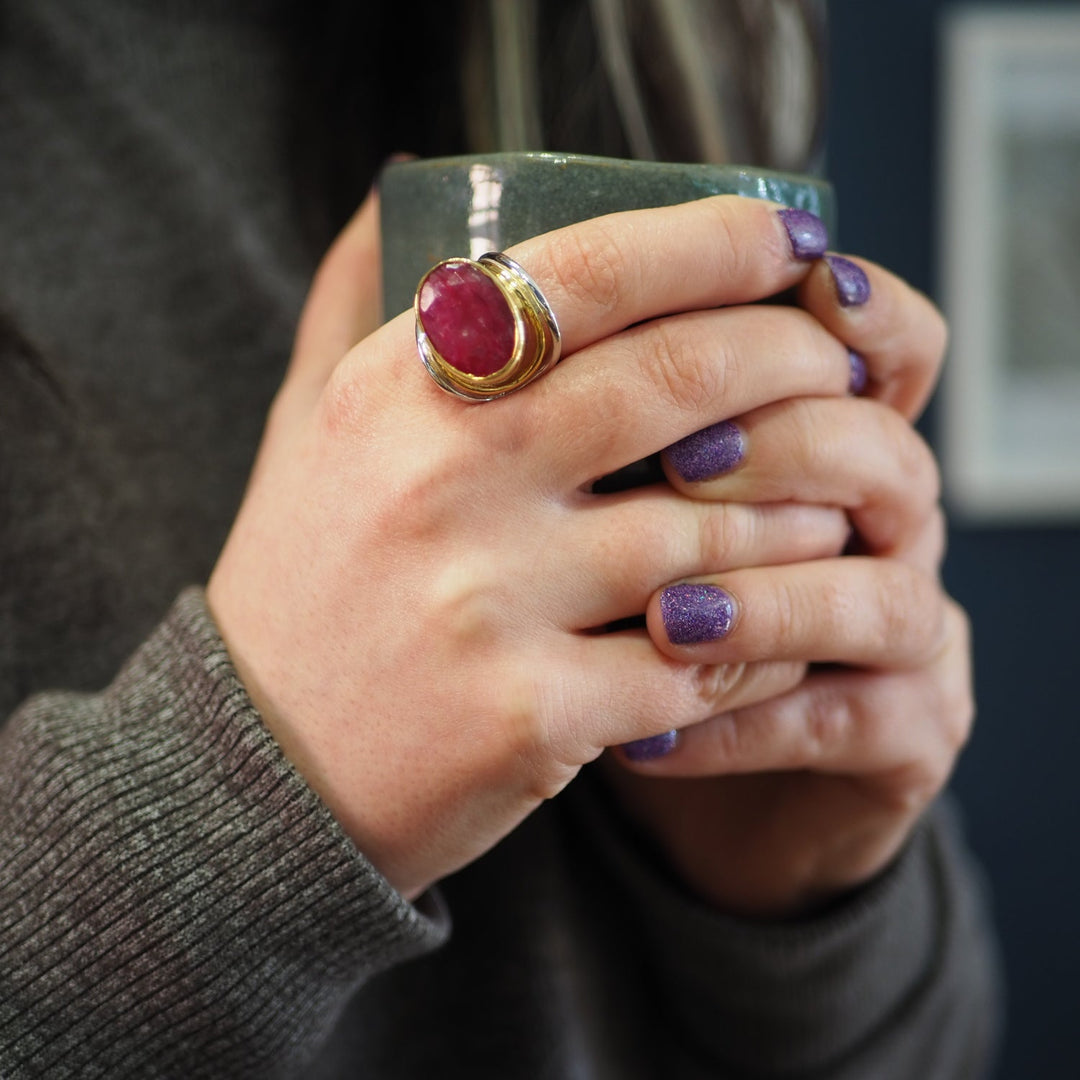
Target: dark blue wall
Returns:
[1018, 781]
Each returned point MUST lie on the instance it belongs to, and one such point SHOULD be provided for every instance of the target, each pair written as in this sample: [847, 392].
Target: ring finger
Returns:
[628, 545]
[841, 721]
[619, 689]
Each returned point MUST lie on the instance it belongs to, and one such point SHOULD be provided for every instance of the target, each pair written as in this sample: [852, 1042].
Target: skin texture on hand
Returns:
[414, 587]
[776, 808]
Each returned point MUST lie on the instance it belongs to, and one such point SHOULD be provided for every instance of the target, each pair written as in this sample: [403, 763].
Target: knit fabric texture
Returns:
[174, 900]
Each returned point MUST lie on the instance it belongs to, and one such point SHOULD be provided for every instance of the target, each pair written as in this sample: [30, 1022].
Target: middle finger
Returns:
[633, 394]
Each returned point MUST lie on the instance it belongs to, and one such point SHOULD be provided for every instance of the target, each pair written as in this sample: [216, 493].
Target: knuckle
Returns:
[681, 373]
[809, 352]
[523, 731]
[909, 611]
[532, 740]
[931, 600]
[724, 531]
[916, 336]
[959, 718]
[920, 763]
[958, 623]
[468, 604]
[786, 613]
[937, 334]
[959, 699]
[714, 684]
[917, 463]
[828, 726]
[812, 446]
[501, 438]
[907, 789]
[342, 406]
[727, 736]
[737, 260]
[937, 539]
[813, 348]
[589, 265]
[420, 509]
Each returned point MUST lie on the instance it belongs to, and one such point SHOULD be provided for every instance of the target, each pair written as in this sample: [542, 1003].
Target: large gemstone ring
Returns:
[483, 327]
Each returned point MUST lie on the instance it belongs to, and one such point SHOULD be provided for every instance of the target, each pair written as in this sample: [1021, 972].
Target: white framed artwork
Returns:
[1009, 255]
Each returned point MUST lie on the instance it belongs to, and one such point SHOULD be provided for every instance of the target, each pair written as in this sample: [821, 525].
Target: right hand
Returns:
[410, 585]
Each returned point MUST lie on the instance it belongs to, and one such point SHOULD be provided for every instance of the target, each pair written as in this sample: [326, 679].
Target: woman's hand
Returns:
[412, 588]
[786, 803]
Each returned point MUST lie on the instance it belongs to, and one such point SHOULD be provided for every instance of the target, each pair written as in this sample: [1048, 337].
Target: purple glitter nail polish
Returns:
[852, 284]
[651, 748]
[710, 452]
[696, 613]
[807, 232]
[858, 377]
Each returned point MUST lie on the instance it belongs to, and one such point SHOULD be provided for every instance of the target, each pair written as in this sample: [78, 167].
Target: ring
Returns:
[483, 327]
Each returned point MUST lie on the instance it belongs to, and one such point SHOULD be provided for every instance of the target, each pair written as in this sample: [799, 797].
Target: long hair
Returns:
[687, 80]
[680, 80]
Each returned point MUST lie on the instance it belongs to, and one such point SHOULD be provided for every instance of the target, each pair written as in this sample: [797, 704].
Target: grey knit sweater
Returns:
[174, 900]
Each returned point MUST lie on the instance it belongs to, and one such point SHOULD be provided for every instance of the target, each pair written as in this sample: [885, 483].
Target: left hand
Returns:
[772, 810]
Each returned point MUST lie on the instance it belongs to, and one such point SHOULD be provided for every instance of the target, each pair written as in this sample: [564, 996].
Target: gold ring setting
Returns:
[483, 327]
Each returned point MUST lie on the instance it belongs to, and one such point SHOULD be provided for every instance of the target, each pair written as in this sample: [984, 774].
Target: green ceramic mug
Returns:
[465, 206]
[441, 208]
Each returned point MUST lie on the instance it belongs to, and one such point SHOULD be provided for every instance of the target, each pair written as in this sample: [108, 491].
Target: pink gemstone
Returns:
[467, 318]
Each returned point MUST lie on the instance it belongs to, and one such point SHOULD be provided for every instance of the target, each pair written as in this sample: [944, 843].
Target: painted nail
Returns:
[695, 613]
[807, 233]
[852, 284]
[649, 749]
[858, 377]
[710, 452]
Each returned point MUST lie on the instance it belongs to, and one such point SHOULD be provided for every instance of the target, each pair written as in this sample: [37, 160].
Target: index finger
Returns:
[605, 274]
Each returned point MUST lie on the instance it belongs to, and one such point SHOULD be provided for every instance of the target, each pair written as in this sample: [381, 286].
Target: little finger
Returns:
[902, 728]
[625, 691]
[926, 549]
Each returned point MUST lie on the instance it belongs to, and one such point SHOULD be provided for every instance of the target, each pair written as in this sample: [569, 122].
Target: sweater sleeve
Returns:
[174, 899]
[898, 980]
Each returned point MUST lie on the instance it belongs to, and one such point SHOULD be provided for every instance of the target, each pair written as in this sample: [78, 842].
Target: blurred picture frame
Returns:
[1009, 262]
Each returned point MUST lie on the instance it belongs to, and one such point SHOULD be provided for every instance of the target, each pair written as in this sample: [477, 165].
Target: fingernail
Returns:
[807, 233]
[852, 284]
[649, 749]
[710, 452]
[696, 613]
[858, 378]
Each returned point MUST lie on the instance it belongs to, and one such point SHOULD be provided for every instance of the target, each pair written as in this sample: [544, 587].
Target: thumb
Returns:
[344, 302]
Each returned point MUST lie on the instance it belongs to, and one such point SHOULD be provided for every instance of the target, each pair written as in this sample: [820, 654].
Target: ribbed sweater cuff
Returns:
[783, 998]
[175, 899]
